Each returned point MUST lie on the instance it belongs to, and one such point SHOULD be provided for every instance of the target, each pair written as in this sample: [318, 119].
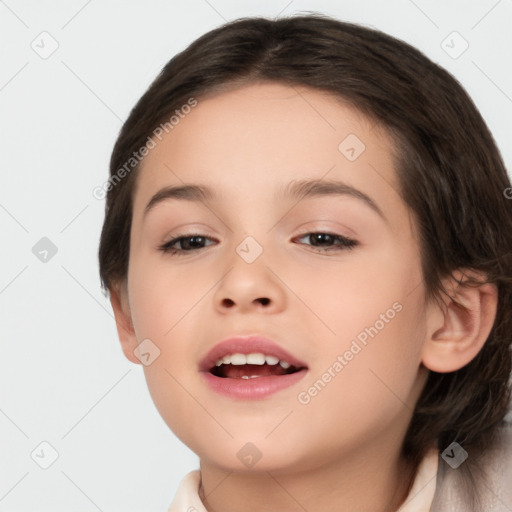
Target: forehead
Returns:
[250, 142]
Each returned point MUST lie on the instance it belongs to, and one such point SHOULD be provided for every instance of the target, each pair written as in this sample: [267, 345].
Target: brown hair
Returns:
[450, 172]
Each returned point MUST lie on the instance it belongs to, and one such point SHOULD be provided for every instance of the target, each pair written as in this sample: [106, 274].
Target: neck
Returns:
[364, 482]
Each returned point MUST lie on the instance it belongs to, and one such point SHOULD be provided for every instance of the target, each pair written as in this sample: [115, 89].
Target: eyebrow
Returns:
[296, 189]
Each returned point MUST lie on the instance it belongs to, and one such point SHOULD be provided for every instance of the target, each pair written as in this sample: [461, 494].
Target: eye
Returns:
[186, 243]
[322, 241]
[325, 242]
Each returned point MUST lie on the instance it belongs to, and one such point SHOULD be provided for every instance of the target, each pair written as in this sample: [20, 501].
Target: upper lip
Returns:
[247, 345]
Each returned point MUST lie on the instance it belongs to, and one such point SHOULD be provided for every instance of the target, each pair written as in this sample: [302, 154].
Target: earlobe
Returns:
[125, 330]
[458, 331]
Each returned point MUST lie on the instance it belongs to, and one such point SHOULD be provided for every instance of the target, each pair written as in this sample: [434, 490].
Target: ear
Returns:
[456, 333]
[125, 331]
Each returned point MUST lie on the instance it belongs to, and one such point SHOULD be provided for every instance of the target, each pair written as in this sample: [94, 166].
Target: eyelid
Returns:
[185, 229]
[338, 230]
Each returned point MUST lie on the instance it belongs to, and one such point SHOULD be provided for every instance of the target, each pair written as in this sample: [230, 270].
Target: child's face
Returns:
[246, 146]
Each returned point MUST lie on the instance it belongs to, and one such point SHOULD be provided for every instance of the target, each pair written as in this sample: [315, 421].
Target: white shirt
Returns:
[419, 498]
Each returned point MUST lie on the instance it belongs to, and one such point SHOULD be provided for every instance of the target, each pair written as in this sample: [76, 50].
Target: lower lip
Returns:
[252, 389]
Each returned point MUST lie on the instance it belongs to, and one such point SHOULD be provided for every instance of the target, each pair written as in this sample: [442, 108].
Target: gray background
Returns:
[63, 377]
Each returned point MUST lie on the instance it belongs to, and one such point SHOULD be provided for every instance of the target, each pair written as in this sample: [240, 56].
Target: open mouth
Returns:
[251, 366]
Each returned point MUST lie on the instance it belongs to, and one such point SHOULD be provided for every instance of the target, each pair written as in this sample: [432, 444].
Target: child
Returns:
[308, 246]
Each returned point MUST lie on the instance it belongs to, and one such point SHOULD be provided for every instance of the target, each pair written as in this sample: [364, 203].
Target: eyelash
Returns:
[345, 243]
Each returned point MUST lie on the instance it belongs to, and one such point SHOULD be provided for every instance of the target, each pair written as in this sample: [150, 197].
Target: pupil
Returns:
[193, 241]
[319, 236]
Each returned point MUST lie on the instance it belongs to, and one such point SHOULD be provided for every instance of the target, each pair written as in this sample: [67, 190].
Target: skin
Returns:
[340, 451]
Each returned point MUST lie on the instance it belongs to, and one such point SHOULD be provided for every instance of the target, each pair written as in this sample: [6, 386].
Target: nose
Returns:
[249, 287]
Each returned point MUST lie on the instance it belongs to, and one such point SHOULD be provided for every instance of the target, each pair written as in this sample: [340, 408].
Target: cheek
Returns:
[162, 296]
[376, 353]
[165, 306]
[374, 389]
[347, 295]
[381, 361]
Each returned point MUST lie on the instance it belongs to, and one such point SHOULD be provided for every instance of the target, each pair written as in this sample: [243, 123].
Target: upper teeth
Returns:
[255, 358]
